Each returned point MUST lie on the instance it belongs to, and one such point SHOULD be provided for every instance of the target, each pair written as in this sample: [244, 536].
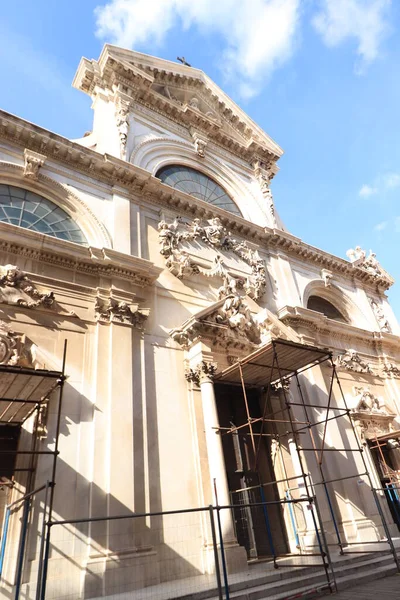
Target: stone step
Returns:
[308, 584]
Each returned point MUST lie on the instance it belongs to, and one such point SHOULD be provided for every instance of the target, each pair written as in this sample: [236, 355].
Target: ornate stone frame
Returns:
[94, 231]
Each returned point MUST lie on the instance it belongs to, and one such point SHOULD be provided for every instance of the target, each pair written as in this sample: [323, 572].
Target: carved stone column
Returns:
[201, 374]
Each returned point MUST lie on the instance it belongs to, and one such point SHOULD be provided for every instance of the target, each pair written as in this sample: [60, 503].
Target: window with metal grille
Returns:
[199, 185]
[29, 210]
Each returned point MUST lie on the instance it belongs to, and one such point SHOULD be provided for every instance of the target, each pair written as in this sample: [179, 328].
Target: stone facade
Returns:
[168, 290]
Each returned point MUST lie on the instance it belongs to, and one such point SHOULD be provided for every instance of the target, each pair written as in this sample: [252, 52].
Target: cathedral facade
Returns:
[171, 266]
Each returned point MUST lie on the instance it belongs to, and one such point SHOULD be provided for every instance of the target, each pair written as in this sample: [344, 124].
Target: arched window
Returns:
[326, 308]
[31, 211]
[199, 185]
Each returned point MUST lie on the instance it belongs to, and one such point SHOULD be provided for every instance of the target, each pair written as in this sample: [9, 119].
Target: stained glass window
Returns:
[31, 211]
[197, 184]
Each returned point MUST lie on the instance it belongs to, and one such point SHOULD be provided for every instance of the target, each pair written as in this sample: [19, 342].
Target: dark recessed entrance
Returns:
[260, 529]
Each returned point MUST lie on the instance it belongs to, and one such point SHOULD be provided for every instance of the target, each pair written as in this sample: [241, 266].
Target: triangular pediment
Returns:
[182, 92]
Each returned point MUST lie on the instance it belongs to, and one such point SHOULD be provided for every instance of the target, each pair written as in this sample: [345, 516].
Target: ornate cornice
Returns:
[346, 335]
[103, 262]
[144, 186]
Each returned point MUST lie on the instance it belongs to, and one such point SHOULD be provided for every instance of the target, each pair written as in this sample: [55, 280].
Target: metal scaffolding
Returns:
[23, 392]
[274, 367]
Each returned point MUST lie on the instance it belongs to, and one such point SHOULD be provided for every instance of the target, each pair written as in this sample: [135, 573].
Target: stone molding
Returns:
[114, 171]
[216, 236]
[110, 310]
[345, 333]
[390, 369]
[102, 262]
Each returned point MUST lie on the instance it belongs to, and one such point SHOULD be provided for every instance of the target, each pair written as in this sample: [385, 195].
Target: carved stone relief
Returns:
[33, 163]
[391, 369]
[122, 122]
[14, 348]
[214, 235]
[16, 288]
[264, 174]
[383, 323]
[370, 414]
[351, 361]
[109, 310]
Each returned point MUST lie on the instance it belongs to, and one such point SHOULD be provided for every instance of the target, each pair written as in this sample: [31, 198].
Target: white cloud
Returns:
[367, 190]
[258, 34]
[391, 180]
[382, 183]
[367, 21]
[380, 226]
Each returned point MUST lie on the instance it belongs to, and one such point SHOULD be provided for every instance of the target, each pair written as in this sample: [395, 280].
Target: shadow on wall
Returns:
[107, 557]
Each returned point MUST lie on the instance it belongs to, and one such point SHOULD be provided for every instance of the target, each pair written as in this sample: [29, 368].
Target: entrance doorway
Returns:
[9, 436]
[260, 529]
[385, 464]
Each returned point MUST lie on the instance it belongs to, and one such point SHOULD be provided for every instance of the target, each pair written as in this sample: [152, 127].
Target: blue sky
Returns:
[320, 76]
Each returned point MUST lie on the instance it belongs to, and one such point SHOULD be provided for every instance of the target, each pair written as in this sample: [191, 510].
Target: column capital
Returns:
[202, 372]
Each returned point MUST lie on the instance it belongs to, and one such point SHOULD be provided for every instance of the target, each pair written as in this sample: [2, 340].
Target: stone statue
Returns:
[355, 254]
[380, 316]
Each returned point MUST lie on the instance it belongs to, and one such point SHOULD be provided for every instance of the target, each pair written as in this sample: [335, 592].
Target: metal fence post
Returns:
[20, 563]
[216, 559]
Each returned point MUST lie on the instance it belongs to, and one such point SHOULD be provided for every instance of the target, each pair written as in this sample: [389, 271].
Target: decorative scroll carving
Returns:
[351, 361]
[122, 122]
[391, 369]
[33, 162]
[327, 277]
[110, 310]
[369, 263]
[383, 323]
[14, 348]
[203, 371]
[214, 235]
[16, 288]
[264, 174]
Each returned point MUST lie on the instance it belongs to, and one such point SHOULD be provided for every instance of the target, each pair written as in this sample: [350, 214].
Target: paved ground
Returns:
[381, 589]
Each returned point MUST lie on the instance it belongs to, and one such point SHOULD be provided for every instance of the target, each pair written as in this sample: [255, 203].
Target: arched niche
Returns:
[337, 299]
[93, 230]
[153, 154]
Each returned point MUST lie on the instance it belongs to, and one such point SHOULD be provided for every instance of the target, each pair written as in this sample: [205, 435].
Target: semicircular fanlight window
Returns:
[199, 185]
[29, 210]
[326, 308]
